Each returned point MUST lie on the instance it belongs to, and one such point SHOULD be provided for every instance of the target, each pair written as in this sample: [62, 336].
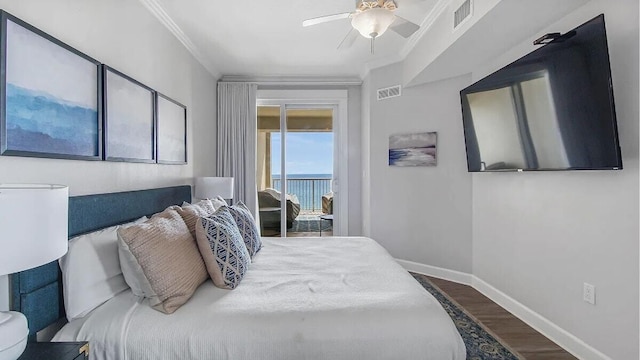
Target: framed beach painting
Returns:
[172, 131]
[129, 119]
[413, 149]
[50, 96]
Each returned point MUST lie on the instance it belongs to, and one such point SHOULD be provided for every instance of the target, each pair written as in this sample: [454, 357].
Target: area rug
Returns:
[480, 344]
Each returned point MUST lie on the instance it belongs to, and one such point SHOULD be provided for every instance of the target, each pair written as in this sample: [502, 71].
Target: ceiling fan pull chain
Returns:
[373, 39]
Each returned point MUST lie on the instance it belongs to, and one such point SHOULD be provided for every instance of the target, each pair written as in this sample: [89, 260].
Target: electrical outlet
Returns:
[589, 293]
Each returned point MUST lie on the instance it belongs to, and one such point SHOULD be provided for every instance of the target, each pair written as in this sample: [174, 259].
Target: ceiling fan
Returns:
[371, 19]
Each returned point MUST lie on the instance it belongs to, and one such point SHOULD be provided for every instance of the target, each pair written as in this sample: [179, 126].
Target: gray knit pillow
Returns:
[222, 248]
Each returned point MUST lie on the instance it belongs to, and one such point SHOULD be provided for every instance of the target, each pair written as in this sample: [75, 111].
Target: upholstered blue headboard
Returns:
[37, 293]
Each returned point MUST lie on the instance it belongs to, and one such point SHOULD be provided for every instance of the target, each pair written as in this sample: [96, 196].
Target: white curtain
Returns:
[237, 136]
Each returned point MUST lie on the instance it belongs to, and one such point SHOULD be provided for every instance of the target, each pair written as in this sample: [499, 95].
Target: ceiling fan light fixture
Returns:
[373, 22]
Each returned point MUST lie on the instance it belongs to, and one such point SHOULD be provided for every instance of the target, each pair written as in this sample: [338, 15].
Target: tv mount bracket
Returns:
[553, 37]
[547, 38]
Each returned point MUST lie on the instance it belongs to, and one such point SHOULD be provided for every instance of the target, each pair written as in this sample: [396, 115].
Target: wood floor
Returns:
[512, 331]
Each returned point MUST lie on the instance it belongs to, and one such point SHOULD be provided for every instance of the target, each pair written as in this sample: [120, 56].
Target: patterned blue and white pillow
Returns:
[248, 228]
[222, 248]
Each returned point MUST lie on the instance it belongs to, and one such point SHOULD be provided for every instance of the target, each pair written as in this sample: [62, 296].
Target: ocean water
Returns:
[43, 123]
[309, 188]
[419, 156]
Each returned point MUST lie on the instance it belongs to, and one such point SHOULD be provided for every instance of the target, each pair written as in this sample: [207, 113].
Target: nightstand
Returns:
[56, 351]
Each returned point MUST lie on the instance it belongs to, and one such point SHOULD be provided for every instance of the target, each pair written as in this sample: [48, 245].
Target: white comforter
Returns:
[302, 298]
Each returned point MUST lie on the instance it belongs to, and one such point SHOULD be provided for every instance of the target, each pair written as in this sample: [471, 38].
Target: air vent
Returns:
[389, 92]
[463, 13]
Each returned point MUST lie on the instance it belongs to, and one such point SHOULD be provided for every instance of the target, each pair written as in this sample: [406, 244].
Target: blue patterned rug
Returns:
[480, 344]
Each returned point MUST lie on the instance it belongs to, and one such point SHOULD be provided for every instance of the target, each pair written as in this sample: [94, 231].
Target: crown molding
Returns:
[294, 80]
[158, 11]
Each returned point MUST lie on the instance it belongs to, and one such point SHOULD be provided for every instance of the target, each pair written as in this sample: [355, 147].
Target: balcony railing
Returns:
[308, 190]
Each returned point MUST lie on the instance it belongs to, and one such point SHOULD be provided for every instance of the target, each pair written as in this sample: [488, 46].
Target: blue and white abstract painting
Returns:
[413, 149]
[129, 126]
[51, 99]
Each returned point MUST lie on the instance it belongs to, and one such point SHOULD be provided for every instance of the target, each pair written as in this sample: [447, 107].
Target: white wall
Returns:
[202, 121]
[365, 144]
[420, 214]
[124, 35]
[355, 160]
[4, 293]
[495, 27]
[538, 236]
[535, 237]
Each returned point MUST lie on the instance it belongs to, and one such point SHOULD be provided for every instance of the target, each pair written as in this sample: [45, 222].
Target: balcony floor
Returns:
[306, 225]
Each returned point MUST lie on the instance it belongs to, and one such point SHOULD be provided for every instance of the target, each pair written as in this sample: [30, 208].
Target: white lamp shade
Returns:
[211, 187]
[373, 21]
[33, 225]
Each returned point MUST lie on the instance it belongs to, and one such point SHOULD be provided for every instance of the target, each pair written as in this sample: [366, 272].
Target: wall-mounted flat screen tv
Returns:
[552, 109]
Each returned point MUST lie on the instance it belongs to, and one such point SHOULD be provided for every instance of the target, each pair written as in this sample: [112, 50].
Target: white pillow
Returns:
[91, 271]
[218, 202]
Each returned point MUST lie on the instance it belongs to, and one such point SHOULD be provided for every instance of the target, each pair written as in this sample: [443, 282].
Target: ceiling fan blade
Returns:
[324, 19]
[404, 27]
[348, 40]
[403, 3]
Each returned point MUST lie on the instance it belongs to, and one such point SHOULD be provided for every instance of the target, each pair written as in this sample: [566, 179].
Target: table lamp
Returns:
[211, 187]
[33, 232]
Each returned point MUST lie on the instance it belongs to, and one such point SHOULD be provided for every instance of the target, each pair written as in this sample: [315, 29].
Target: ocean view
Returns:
[309, 188]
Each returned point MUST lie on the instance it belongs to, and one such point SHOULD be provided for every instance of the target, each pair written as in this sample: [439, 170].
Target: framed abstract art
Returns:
[50, 96]
[172, 131]
[129, 119]
[418, 149]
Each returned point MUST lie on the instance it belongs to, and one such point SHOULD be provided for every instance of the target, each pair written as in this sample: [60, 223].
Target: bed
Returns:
[302, 298]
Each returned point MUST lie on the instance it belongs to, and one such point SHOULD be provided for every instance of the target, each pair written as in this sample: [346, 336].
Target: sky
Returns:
[412, 140]
[307, 153]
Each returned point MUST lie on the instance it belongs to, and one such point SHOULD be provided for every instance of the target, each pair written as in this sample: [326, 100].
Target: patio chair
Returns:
[269, 203]
[327, 203]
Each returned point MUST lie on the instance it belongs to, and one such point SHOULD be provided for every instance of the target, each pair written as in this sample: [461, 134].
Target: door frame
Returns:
[319, 99]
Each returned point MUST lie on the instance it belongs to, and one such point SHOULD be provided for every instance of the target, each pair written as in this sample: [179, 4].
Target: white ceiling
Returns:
[258, 38]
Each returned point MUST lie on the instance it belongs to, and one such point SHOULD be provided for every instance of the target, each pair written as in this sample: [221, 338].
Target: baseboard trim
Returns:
[563, 338]
[440, 273]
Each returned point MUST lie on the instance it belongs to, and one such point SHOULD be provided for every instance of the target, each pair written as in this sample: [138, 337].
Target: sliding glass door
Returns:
[295, 169]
